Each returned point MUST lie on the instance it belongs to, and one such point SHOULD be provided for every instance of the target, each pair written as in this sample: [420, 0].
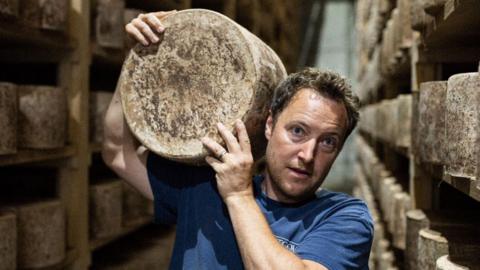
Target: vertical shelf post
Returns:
[73, 76]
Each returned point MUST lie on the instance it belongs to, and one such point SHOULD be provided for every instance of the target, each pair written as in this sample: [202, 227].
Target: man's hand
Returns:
[147, 28]
[233, 166]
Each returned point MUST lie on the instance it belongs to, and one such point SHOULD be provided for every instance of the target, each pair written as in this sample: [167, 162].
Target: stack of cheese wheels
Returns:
[206, 69]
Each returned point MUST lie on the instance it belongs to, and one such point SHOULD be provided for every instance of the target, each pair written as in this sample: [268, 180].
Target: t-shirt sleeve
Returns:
[342, 241]
[167, 179]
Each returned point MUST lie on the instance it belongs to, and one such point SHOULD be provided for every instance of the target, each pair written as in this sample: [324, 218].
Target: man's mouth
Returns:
[300, 171]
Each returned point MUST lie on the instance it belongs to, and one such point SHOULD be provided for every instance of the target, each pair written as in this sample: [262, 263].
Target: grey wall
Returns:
[336, 52]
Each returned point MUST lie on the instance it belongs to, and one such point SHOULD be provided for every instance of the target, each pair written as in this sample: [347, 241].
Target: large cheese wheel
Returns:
[444, 263]
[105, 209]
[134, 206]
[207, 69]
[41, 233]
[416, 221]
[431, 121]
[109, 23]
[431, 246]
[462, 124]
[46, 14]
[42, 117]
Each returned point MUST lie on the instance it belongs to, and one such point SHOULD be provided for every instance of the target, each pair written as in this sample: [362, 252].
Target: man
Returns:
[278, 220]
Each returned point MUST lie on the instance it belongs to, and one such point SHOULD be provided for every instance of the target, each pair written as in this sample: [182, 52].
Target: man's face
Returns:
[302, 145]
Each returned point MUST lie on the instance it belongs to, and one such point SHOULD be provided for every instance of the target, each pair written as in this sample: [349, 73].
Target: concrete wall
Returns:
[336, 52]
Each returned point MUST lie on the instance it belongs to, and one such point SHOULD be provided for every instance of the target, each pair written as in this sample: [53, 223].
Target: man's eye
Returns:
[297, 131]
[330, 142]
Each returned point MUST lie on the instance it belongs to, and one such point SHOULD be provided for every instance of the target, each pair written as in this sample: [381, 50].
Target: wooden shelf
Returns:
[152, 5]
[29, 156]
[403, 151]
[465, 185]
[127, 229]
[16, 33]
[456, 26]
[468, 186]
[70, 257]
[104, 56]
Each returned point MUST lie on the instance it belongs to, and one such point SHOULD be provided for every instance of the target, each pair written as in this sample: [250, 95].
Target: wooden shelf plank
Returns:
[153, 5]
[112, 57]
[403, 151]
[16, 33]
[29, 156]
[470, 187]
[70, 257]
[127, 229]
[456, 26]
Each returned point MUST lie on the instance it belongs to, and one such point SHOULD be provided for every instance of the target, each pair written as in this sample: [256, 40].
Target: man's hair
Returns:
[327, 83]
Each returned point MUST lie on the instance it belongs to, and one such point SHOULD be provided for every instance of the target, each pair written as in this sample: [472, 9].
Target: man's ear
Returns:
[269, 127]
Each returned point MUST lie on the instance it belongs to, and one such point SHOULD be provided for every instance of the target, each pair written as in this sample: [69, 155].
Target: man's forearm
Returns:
[117, 136]
[258, 246]
[121, 152]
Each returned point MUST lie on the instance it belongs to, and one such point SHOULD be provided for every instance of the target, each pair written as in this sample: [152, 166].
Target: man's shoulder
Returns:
[338, 203]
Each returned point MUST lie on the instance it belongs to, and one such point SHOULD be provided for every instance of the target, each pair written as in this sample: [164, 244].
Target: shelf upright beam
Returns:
[73, 76]
[422, 183]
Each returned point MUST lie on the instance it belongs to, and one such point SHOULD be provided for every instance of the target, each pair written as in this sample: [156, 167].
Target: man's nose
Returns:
[307, 152]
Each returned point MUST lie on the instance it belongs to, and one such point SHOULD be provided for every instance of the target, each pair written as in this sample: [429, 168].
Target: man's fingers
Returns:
[213, 162]
[162, 14]
[228, 138]
[145, 29]
[153, 22]
[242, 134]
[136, 34]
[216, 149]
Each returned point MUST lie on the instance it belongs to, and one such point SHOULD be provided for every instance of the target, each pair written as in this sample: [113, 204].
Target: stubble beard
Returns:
[282, 194]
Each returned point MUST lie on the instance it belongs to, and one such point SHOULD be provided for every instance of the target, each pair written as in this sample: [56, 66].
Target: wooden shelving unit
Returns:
[446, 44]
[14, 32]
[30, 156]
[73, 55]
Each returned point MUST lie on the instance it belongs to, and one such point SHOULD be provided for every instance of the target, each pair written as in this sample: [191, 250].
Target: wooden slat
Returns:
[468, 186]
[155, 5]
[70, 257]
[133, 226]
[111, 57]
[17, 33]
[72, 183]
[29, 156]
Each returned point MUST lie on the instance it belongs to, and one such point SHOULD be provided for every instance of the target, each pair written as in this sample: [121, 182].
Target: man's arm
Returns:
[258, 246]
[121, 151]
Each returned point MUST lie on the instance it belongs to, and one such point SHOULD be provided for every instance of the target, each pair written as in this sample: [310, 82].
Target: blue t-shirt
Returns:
[333, 229]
